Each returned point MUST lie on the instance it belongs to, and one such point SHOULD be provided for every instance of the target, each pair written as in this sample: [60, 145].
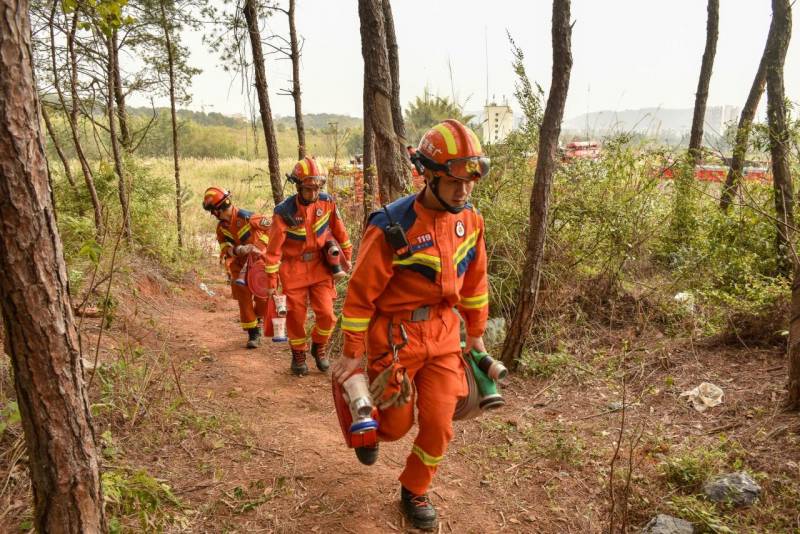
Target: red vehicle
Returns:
[718, 173]
[581, 150]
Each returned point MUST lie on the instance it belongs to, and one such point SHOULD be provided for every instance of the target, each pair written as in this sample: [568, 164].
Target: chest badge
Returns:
[460, 231]
[319, 212]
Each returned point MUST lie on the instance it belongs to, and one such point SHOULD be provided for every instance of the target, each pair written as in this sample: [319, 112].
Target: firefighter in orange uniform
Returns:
[301, 226]
[239, 233]
[401, 297]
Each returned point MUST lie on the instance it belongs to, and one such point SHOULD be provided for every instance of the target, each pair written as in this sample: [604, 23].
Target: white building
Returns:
[498, 123]
[718, 117]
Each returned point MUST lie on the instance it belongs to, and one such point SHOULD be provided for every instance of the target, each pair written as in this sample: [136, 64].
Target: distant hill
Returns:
[317, 121]
[652, 121]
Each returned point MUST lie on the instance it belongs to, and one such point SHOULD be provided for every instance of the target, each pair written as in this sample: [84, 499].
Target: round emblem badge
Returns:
[460, 229]
[319, 212]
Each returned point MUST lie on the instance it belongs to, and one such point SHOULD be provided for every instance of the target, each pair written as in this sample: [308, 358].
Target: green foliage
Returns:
[702, 514]
[140, 495]
[427, 111]
[9, 416]
[543, 365]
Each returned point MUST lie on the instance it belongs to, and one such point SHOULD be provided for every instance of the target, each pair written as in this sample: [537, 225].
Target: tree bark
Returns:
[394, 70]
[540, 195]
[779, 135]
[112, 133]
[368, 162]
[119, 96]
[296, 93]
[251, 16]
[712, 33]
[393, 172]
[40, 335]
[57, 146]
[734, 176]
[72, 116]
[174, 117]
[779, 139]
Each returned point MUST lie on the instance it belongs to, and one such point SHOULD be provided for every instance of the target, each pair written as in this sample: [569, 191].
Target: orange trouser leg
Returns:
[322, 295]
[248, 314]
[296, 317]
[436, 384]
[433, 360]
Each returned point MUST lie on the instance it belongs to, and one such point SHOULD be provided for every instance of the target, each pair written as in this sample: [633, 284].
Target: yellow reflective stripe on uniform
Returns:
[264, 238]
[433, 262]
[298, 341]
[449, 138]
[227, 233]
[346, 244]
[355, 324]
[224, 245]
[271, 268]
[463, 248]
[427, 459]
[299, 231]
[322, 332]
[322, 221]
[244, 230]
[251, 324]
[473, 303]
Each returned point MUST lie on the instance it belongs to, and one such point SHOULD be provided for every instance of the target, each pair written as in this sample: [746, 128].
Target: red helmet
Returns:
[216, 198]
[307, 172]
[451, 148]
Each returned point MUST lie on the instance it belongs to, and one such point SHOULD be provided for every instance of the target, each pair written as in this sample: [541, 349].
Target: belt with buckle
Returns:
[423, 313]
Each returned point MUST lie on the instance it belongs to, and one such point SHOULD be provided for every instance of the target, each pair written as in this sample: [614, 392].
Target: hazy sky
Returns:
[627, 54]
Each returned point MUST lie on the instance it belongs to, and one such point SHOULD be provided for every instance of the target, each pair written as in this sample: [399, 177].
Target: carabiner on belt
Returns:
[397, 348]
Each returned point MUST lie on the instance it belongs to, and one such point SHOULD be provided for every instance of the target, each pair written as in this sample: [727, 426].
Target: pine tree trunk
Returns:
[119, 97]
[122, 188]
[40, 335]
[712, 33]
[368, 163]
[779, 140]
[174, 117]
[390, 151]
[72, 115]
[734, 176]
[779, 135]
[296, 93]
[251, 15]
[57, 146]
[540, 195]
[394, 70]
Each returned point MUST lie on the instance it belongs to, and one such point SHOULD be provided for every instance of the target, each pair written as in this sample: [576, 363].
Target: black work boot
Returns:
[253, 337]
[299, 367]
[419, 510]
[367, 455]
[318, 351]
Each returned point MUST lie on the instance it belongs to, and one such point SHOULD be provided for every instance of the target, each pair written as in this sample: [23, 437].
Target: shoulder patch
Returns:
[265, 222]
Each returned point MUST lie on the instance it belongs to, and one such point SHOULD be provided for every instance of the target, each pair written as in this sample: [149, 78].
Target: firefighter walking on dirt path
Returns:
[399, 307]
[240, 234]
[304, 228]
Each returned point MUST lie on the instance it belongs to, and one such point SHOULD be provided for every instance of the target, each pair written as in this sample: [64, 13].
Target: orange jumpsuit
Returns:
[445, 268]
[294, 254]
[244, 228]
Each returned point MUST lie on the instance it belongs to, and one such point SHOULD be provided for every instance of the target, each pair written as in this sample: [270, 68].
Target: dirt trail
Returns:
[292, 471]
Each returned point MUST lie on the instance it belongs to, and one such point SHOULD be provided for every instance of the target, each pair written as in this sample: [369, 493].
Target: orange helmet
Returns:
[216, 198]
[451, 148]
[307, 172]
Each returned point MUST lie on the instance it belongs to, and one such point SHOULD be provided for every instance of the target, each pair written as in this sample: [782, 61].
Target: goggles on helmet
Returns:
[468, 169]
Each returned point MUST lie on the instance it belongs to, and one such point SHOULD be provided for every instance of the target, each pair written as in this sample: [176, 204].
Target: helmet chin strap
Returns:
[434, 185]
